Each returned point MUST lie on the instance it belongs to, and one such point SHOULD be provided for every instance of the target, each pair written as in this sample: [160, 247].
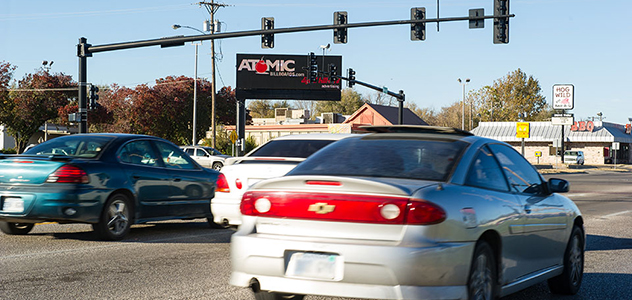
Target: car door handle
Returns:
[177, 179]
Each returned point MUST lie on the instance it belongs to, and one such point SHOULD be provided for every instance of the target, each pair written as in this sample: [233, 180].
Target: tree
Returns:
[350, 102]
[510, 95]
[266, 108]
[427, 114]
[6, 74]
[37, 99]
[166, 110]
[226, 106]
[260, 109]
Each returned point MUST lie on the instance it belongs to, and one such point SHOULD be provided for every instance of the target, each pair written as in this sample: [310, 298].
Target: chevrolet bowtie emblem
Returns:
[321, 208]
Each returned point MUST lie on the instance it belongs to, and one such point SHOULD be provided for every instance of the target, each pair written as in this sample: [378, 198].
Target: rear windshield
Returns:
[395, 158]
[290, 148]
[76, 146]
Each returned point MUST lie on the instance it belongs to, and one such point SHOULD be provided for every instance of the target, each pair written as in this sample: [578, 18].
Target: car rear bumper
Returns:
[76, 205]
[225, 207]
[373, 270]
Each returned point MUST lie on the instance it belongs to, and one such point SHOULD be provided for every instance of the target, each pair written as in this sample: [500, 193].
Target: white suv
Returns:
[207, 157]
[272, 159]
[574, 157]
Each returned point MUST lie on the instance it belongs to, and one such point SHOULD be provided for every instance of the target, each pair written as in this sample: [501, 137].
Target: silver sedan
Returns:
[408, 212]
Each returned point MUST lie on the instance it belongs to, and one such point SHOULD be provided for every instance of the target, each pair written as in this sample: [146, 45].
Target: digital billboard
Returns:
[286, 77]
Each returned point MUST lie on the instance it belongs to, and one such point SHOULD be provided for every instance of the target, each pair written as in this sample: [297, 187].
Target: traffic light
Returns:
[94, 96]
[501, 24]
[340, 34]
[313, 68]
[351, 75]
[267, 39]
[418, 30]
[333, 71]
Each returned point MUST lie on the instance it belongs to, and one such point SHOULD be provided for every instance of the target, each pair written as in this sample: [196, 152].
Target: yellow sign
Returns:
[538, 154]
[522, 130]
[233, 136]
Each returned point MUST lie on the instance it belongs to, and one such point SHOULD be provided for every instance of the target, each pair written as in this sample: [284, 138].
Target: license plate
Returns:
[13, 205]
[315, 266]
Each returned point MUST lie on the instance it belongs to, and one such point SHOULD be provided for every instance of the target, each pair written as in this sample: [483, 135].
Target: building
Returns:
[284, 123]
[46, 132]
[595, 138]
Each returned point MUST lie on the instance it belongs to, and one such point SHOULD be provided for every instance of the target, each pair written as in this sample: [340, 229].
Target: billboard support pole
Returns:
[241, 126]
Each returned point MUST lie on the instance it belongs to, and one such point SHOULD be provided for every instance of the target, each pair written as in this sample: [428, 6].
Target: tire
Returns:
[116, 218]
[569, 282]
[217, 166]
[481, 283]
[16, 228]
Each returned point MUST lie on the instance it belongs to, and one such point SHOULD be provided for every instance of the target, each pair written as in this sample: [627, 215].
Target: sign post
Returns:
[563, 98]
[522, 131]
[615, 147]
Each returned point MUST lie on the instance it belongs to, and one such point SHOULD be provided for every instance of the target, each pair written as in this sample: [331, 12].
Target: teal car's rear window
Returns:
[79, 146]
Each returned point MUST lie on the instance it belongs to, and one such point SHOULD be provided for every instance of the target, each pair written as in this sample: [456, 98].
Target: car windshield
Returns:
[429, 159]
[76, 146]
[290, 148]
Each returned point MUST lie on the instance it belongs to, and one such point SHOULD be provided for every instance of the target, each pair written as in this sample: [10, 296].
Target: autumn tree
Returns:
[427, 114]
[166, 109]
[226, 106]
[265, 108]
[510, 95]
[36, 100]
[350, 102]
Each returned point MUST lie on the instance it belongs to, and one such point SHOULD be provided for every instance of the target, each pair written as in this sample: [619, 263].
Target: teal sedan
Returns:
[110, 181]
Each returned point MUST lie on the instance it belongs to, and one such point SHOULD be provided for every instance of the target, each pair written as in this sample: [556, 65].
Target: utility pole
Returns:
[212, 7]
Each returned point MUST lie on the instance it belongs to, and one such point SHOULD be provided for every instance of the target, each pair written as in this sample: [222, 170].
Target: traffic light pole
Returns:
[401, 97]
[85, 50]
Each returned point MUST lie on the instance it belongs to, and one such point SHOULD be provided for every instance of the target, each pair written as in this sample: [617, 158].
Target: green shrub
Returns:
[8, 151]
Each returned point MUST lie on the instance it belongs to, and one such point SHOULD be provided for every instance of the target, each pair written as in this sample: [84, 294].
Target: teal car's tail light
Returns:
[342, 208]
[68, 174]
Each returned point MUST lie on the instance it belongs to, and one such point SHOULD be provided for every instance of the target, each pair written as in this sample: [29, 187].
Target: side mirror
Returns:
[557, 185]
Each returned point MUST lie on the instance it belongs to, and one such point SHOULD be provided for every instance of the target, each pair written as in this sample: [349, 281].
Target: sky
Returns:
[579, 42]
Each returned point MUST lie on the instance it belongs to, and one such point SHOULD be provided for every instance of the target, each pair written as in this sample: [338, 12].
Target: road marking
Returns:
[615, 214]
[114, 245]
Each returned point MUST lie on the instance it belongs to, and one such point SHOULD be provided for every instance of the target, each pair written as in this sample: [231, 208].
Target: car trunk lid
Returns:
[338, 207]
[27, 170]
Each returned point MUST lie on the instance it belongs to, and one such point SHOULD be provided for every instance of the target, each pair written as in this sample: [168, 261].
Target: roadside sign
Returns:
[562, 119]
[538, 154]
[233, 136]
[563, 96]
[522, 130]
[615, 145]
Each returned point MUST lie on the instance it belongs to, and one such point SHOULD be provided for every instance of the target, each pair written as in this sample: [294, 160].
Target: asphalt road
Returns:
[187, 260]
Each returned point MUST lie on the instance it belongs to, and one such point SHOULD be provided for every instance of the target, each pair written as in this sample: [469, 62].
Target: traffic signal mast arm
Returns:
[86, 50]
[400, 96]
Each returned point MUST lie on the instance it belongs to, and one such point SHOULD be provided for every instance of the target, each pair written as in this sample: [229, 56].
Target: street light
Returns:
[463, 103]
[193, 140]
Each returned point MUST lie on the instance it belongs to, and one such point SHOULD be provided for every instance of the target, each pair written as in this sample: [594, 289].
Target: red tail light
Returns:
[69, 174]
[222, 184]
[342, 208]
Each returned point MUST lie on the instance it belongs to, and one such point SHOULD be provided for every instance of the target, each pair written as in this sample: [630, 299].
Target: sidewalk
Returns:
[568, 169]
